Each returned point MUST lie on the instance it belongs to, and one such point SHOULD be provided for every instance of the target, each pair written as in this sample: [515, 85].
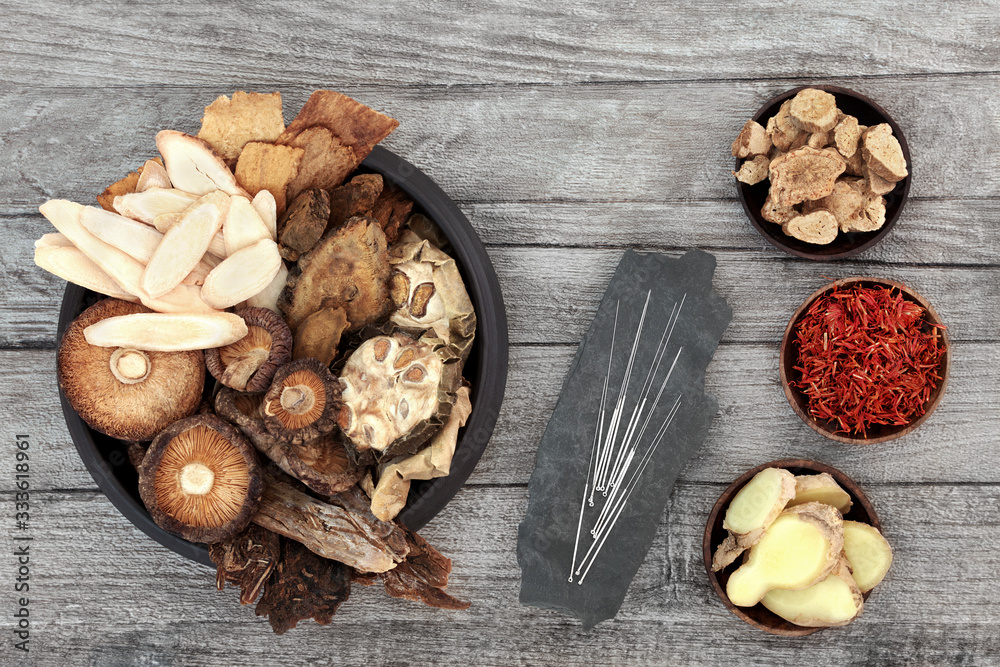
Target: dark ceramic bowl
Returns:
[845, 245]
[799, 401]
[107, 459]
[759, 616]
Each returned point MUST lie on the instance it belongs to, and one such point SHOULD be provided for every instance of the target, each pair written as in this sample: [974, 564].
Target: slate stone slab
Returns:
[548, 534]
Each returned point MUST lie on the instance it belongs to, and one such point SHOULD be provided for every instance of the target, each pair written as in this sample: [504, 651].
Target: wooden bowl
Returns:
[759, 616]
[845, 245]
[799, 401]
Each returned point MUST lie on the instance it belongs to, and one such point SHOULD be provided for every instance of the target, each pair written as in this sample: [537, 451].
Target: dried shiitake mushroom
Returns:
[122, 392]
[250, 363]
[322, 464]
[302, 403]
[429, 293]
[397, 392]
[201, 480]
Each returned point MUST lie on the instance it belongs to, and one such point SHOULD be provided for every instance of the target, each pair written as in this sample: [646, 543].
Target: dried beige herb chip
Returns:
[268, 167]
[230, 124]
[753, 171]
[805, 173]
[752, 140]
[814, 110]
[883, 154]
[819, 227]
[325, 163]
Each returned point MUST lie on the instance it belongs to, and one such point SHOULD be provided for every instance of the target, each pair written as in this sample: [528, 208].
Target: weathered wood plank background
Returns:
[567, 131]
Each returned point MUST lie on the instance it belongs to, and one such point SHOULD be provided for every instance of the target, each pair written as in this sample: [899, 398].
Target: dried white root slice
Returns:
[198, 273]
[184, 244]
[834, 601]
[70, 264]
[868, 552]
[146, 206]
[242, 274]
[153, 175]
[193, 166]
[751, 511]
[53, 240]
[165, 221]
[799, 549]
[268, 297]
[181, 299]
[821, 488]
[135, 238]
[243, 226]
[167, 332]
[263, 202]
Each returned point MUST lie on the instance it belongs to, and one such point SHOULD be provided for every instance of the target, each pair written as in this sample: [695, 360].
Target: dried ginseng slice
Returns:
[148, 205]
[242, 275]
[135, 238]
[184, 244]
[166, 332]
[243, 226]
[70, 264]
[193, 166]
[153, 175]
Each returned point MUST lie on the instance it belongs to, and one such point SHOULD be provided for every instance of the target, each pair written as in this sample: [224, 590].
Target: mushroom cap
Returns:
[201, 480]
[302, 403]
[249, 364]
[170, 390]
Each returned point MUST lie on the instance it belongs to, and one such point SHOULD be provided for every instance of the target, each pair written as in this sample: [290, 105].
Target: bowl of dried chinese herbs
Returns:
[864, 360]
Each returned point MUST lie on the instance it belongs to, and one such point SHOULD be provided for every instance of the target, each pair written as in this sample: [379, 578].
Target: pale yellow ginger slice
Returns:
[263, 202]
[242, 275]
[193, 166]
[779, 215]
[753, 171]
[752, 140]
[268, 297]
[799, 549]
[184, 244]
[821, 488]
[153, 175]
[167, 332]
[137, 239]
[243, 226]
[814, 110]
[751, 511]
[836, 600]
[146, 206]
[70, 264]
[868, 552]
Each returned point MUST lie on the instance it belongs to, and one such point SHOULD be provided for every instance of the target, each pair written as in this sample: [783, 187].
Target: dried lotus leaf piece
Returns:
[354, 198]
[122, 392]
[246, 560]
[429, 294]
[303, 586]
[304, 223]
[319, 335]
[351, 123]
[804, 173]
[325, 161]
[753, 171]
[752, 140]
[268, 344]
[397, 394]
[302, 403]
[348, 268]
[229, 124]
[389, 497]
[391, 210]
[268, 167]
[814, 110]
[201, 480]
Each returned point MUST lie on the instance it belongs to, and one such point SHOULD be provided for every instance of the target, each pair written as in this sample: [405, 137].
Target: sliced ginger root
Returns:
[800, 548]
[836, 600]
[868, 553]
[751, 511]
[821, 488]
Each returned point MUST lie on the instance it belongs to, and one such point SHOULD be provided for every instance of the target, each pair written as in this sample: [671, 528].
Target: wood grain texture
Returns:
[567, 131]
[476, 42]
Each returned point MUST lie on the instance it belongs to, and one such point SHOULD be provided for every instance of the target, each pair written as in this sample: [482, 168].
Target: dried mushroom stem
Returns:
[130, 366]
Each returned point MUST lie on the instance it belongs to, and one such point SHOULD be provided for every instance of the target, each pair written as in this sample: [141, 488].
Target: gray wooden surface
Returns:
[567, 131]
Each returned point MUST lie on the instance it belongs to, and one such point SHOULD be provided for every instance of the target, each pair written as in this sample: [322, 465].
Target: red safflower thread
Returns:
[867, 356]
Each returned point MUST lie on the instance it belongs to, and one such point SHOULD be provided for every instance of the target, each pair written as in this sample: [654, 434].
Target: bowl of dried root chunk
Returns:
[822, 172]
[794, 546]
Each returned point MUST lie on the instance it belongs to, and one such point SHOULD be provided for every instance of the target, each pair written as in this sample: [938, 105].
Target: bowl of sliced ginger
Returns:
[794, 546]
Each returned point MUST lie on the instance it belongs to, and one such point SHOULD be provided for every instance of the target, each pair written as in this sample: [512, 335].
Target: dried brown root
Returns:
[246, 560]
